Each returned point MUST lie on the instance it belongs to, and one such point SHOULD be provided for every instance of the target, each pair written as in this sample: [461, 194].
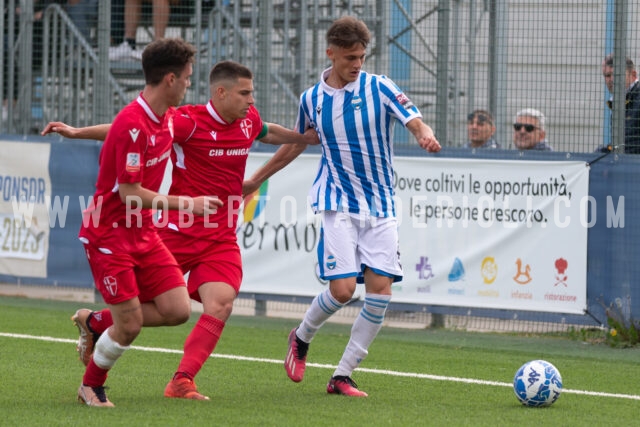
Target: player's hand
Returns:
[311, 137]
[429, 143]
[59, 128]
[249, 186]
[204, 205]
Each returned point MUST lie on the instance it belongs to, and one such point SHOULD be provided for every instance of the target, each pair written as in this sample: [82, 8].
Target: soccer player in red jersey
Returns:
[133, 270]
[211, 146]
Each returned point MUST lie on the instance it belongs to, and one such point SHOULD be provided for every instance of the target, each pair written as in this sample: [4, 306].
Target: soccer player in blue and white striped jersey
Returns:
[354, 113]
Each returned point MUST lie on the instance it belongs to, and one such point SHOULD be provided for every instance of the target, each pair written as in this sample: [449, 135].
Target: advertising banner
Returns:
[25, 194]
[473, 233]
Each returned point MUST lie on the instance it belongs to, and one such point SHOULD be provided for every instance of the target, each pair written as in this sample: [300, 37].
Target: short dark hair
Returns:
[630, 66]
[229, 70]
[164, 56]
[347, 31]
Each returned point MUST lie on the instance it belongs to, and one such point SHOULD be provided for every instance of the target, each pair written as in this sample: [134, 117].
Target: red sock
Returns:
[200, 344]
[94, 376]
[99, 321]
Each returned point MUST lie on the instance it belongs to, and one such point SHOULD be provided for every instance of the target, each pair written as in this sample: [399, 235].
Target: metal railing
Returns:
[72, 73]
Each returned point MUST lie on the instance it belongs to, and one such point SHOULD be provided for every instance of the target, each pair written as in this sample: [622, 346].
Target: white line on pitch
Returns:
[318, 365]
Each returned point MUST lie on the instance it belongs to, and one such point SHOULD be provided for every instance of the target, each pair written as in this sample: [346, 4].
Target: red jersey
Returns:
[136, 149]
[209, 158]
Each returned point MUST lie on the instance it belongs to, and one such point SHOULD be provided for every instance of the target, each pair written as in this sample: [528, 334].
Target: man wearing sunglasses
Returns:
[528, 131]
[480, 130]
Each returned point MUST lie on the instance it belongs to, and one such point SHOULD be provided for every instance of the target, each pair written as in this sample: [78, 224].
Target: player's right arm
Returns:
[134, 195]
[96, 132]
[282, 157]
[279, 135]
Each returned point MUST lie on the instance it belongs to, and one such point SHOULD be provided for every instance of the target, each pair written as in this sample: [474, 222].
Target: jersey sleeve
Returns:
[183, 125]
[397, 102]
[128, 141]
[303, 120]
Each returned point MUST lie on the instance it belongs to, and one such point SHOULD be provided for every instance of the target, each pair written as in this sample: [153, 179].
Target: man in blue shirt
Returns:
[354, 113]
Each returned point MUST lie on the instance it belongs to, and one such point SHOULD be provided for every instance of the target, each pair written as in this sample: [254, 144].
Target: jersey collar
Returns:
[212, 111]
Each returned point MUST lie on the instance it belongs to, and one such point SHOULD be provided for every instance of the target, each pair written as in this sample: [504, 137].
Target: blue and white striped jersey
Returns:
[355, 126]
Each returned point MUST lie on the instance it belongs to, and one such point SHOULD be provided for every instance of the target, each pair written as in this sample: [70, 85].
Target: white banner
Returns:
[473, 233]
[25, 194]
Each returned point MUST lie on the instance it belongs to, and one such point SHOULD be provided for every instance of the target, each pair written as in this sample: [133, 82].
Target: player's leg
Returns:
[383, 268]
[109, 347]
[168, 309]
[337, 263]
[217, 299]
[214, 279]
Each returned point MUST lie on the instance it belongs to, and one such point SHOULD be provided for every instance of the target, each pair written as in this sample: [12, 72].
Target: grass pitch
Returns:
[413, 377]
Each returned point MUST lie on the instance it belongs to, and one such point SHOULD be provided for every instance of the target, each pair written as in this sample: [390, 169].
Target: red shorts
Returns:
[122, 276]
[206, 261]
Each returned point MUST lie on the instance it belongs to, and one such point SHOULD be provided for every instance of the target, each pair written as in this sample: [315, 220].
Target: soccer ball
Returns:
[537, 383]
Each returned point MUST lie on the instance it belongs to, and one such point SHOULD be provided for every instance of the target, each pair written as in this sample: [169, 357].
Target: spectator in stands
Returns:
[632, 104]
[529, 132]
[36, 54]
[480, 130]
[84, 14]
[132, 11]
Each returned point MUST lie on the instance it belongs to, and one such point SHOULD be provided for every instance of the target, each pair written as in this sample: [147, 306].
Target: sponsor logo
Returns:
[489, 270]
[424, 269]
[523, 275]
[457, 271]
[159, 159]
[561, 268]
[404, 101]
[133, 162]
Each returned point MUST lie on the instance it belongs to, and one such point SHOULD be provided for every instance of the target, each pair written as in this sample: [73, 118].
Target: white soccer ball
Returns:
[537, 383]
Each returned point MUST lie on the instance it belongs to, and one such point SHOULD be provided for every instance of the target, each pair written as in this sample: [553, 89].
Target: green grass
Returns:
[39, 378]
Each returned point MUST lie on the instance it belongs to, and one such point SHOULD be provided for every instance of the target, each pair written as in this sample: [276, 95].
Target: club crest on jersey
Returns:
[133, 162]
[134, 134]
[111, 285]
[356, 103]
[246, 126]
[404, 101]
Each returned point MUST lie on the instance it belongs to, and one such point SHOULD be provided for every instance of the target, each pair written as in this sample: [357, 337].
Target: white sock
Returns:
[107, 351]
[363, 332]
[322, 307]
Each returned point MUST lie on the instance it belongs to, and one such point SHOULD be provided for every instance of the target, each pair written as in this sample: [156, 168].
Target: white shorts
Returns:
[350, 242]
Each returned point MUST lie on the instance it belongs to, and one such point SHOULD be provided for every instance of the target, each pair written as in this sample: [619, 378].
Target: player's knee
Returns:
[342, 294]
[125, 334]
[178, 316]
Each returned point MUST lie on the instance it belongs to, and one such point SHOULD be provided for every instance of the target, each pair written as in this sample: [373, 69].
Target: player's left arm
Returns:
[423, 134]
[96, 132]
[278, 135]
